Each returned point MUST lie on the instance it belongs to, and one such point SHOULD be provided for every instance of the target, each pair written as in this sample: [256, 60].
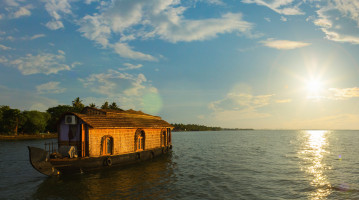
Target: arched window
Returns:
[163, 137]
[107, 145]
[140, 140]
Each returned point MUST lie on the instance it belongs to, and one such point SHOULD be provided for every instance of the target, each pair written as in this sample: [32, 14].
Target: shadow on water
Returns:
[147, 180]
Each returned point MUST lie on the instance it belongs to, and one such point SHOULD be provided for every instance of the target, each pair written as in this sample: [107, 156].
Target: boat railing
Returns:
[51, 147]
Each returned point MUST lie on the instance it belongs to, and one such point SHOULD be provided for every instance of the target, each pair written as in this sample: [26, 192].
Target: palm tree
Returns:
[92, 105]
[114, 106]
[105, 105]
[77, 104]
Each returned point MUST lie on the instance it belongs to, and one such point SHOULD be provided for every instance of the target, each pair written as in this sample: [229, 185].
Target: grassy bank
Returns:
[27, 137]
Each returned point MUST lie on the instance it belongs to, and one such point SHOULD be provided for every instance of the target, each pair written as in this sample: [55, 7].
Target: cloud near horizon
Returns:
[240, 101]
[344, 93]
[15, 98]
[113, 85]
[51, 87]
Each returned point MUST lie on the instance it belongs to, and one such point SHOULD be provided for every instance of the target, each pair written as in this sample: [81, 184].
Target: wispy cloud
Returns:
[236, 107]
[15, 98]
[37, 36]
[3, 47]
[3, 60]
[334, 36]
[50, 88]
[129, 66]
[163, 19]
[240, 101]
[349, 9]
[12, 3]
[54, 25]
[344, 93]
[283, 7]
[114, 82]
[129, 89]
[17, 8]
[126, 51]
[45, 63]
[57, 8]
[90, 1]
[283, 19]
[326, 20]
[23, 11]
[283, 100]
[283, 44]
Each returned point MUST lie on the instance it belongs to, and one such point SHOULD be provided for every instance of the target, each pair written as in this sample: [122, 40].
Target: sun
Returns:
[314, 85]
[314, 88]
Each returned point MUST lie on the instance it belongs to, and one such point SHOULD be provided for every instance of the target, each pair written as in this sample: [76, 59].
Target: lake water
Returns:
[206, 165]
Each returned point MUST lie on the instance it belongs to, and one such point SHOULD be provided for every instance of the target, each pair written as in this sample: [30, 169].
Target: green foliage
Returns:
[92, 105]
[35, 121]
[77, 105]
[114, 106]
[105, 105]
[55, 114]
[2, 124]
[10, 120]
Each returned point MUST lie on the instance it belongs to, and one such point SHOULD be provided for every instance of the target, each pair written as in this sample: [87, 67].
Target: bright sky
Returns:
[287, 64]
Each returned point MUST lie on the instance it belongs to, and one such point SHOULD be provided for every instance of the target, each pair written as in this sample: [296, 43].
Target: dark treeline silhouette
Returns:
[14, 122]
[195, 127]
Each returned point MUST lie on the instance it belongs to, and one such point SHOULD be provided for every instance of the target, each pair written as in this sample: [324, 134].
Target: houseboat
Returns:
[101, 138]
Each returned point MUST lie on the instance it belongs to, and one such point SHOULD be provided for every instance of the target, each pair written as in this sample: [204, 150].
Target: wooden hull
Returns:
[40, 160]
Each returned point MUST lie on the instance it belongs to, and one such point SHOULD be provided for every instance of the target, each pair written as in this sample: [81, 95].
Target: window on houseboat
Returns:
[107, 145]
[140, 140]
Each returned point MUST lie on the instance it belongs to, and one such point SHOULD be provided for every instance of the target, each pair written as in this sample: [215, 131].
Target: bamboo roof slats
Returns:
[101, 118]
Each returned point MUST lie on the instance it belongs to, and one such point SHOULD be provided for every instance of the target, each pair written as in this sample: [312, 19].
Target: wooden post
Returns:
[83, 154]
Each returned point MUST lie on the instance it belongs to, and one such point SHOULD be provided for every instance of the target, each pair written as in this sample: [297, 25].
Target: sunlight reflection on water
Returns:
[314, 151]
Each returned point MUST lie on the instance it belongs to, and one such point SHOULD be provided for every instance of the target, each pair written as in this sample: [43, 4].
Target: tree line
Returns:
[13, 121]
[194, 127]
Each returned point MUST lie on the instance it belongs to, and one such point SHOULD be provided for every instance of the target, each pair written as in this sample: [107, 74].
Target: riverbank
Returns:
[27, 137]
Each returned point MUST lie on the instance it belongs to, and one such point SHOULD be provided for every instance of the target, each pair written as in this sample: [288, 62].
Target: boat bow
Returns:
[39, 159]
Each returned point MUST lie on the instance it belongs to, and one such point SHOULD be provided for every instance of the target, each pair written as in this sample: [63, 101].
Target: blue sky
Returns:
[278, 64]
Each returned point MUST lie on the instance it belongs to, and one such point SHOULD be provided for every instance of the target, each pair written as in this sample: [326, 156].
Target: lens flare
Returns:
[152, 103]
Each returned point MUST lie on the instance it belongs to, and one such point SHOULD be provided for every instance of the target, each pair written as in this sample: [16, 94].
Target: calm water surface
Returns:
[206, 165]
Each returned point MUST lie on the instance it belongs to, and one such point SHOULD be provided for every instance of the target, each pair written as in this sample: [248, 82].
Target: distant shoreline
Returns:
[244, 129]
[27, 137]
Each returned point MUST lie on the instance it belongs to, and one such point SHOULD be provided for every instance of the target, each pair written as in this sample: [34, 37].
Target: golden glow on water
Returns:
[313, 154]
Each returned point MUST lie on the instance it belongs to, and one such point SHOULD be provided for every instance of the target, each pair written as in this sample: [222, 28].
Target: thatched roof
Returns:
[101, 118]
